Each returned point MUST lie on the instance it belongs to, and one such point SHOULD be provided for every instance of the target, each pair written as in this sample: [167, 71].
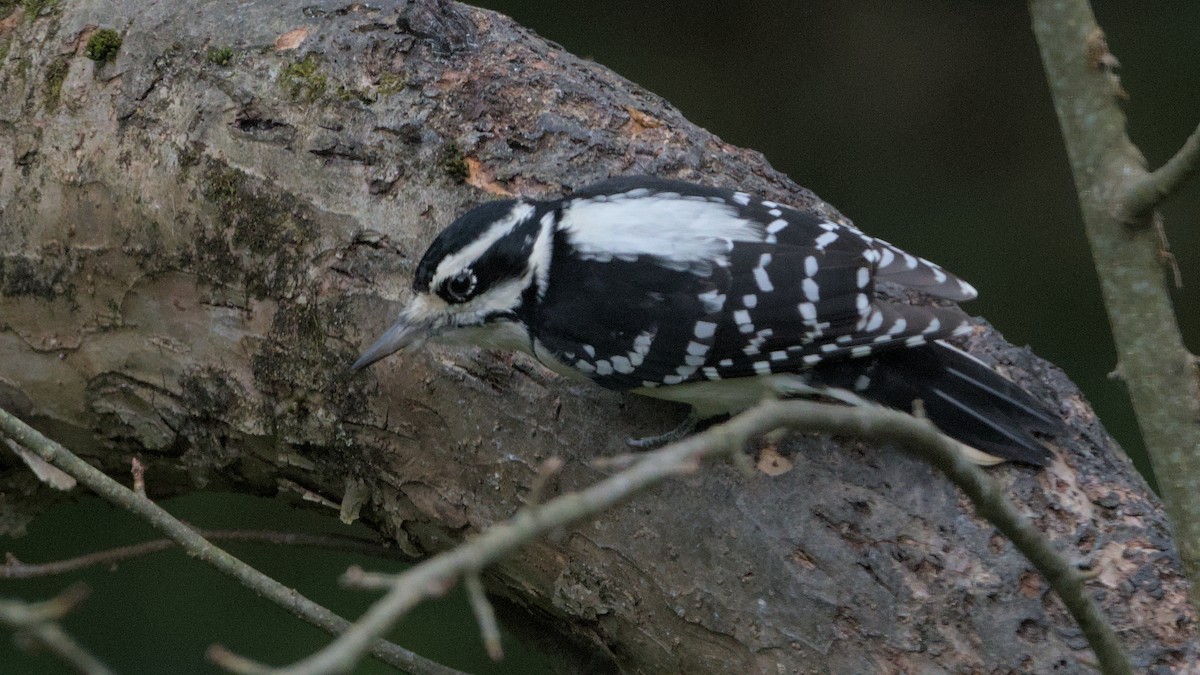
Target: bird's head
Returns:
[477, 273]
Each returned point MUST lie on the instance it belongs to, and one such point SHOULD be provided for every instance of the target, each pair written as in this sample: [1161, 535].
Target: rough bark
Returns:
[197, 241]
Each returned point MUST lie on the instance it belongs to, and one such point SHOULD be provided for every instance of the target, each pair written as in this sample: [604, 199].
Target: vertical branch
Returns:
[1110, 174]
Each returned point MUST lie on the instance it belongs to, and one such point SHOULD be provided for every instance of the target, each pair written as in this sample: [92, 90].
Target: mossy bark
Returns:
[195, 248]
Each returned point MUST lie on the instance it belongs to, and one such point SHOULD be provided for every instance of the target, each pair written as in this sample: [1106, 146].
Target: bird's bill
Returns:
[422, 319]
[402, 334]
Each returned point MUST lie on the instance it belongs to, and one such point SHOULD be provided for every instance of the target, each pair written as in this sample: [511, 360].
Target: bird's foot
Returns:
[685, 428]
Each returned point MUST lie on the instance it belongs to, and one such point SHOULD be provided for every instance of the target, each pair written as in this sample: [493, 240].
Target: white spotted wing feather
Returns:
[661, 283]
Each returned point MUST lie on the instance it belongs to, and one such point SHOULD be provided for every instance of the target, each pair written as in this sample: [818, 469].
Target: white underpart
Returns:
[665, 226]
[730, 397]
[508, 336]
[720, 397]
[463, 259]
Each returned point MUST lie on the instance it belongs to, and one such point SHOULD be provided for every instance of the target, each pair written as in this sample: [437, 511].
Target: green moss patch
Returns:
[454, 163]
[36, 8]
[260, 241]
[56, 74]
[219, 56]
[303, 80]
[390, 83]
[103, 46]
[46, 277]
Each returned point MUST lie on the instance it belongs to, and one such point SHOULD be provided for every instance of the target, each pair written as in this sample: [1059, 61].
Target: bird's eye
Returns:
[459, 287]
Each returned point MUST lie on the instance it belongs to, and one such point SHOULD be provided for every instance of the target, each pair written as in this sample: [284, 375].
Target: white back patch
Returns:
[668, 227]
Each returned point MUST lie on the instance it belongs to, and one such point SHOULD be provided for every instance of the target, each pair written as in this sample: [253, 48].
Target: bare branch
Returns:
[196, 546]
[1129, 261]
[222, 657]
[1149, 190]
[16, 569]
[486, 617]
[875, 423]
[547, 472]
[138, 471]
[38, 622]
[357, 577]
[45, 472]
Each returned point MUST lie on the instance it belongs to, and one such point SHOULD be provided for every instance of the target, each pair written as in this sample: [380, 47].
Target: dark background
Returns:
[928, 123]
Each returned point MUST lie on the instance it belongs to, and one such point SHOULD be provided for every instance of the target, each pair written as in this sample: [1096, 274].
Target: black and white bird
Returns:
[714, 298]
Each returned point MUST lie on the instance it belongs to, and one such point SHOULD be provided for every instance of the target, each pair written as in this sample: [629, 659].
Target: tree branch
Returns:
[1147, 191]
[39, 622]
[196, 546]
[16, 569]
[486, 616]
[1151, 355]
[436, 575]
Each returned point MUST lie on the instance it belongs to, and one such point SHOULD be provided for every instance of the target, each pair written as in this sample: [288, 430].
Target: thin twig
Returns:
[1151, 189]
[40, 468]
[874, 423]
[195, 545]
[138, 471]
[223, 658]
[16, 569]
[485, 615]
[38, 622]
[358, 578]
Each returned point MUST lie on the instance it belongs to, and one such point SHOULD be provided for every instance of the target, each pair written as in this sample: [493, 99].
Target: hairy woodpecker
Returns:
[714, 298]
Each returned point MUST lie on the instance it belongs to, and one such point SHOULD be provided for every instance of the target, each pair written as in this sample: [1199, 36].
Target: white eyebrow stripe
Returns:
[455, 262]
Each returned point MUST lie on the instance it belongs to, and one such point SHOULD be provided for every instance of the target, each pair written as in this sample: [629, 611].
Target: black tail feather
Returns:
[962, 396]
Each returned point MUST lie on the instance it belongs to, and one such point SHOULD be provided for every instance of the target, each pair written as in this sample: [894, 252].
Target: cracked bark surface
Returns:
[194, 248]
